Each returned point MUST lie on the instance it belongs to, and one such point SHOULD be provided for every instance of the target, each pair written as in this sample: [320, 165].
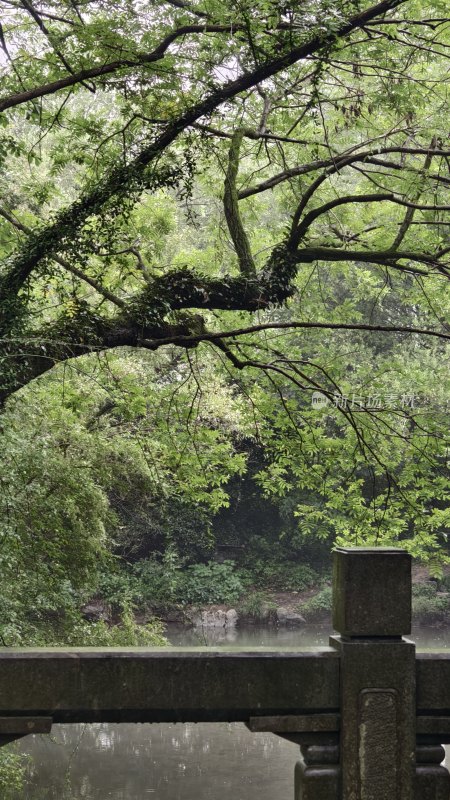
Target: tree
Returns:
[170, 173]
[91, 469]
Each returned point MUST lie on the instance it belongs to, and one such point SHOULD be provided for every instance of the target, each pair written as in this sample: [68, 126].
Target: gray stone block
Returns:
[371, 591]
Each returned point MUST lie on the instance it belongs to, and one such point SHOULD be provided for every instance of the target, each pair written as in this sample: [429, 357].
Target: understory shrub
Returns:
[149, 583]
[163, 584]
[257, 605]
[317, 607]
[118, 588]
[444, 583]
[127, 633]
[69, 629]
[284, 576]
[427, 589]
[158, 581]
[427, 605]
[211, 583]
[12, 771]
[59, 620]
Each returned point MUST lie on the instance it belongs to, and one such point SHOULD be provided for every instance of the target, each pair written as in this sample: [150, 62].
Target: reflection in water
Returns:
[265, 636]
[177, 762]
[250, 636]
[168, 762]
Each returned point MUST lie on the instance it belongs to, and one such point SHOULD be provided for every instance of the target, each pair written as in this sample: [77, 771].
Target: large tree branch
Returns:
[144, 320]
[388, 258]
[141, 59]
[42, 27]
[24, 358]
[408, 218]
[192, 339]
[338, 162]
[249, 133]
[299, 227]
[32, 356]
[120, 181]
[185, 289]
[187, 7]
[145, 317]
[298, 234]
[231, 208]
[66, 265]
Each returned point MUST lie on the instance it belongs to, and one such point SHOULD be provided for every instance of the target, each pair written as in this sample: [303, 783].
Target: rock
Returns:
[295, 620]
[214, 618]
[286, 617]
[281, 614]
[96, 611]
[210, 619]
[231, 617]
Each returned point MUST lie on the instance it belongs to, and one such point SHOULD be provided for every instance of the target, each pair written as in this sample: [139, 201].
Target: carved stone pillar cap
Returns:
[371, 591]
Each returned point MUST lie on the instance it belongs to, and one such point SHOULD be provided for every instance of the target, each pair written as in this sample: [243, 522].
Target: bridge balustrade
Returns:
[368, 713]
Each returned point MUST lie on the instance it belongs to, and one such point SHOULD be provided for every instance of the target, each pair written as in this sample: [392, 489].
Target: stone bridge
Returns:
[369, 715]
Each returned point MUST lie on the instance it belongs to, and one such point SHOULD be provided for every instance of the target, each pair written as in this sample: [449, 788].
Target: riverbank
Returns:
[313, 606]
[227, 603]
[430, 606]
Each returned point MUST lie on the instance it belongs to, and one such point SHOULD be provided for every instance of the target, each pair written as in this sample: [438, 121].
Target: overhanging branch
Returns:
[189, 341]
[119, 182]
[141, 60]
[338, 162]
[388, 258]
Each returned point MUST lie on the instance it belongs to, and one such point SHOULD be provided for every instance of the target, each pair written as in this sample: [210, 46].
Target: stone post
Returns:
[317, 774]
[371, 612]
[432, 779]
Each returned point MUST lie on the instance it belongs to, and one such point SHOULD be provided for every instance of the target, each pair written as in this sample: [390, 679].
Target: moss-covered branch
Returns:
[231, 207]
[125, 182]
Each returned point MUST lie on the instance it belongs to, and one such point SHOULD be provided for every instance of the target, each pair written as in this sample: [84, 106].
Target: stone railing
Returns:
[369, 714]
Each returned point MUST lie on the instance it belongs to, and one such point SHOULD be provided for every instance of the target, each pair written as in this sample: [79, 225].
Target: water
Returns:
[281, 638]
[250, 636]
[177, 762]
[168, 762]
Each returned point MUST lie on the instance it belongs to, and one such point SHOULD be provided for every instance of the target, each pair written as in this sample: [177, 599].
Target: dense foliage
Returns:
[224, 286]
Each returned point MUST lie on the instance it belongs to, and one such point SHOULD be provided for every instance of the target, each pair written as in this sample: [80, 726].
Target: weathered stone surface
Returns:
[371, 591]
[295, 723]
[432, 783]
[433, 725]
[320, 754]
[165, 684]
[377, 729]
[361, 692]
[316, 782]
[371, 609]
[24, 725]
[433, 685]
[13, 728]
[430, 754]
[378, 745]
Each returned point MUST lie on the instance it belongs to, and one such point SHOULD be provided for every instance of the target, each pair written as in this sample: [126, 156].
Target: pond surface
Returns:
[177, 762]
